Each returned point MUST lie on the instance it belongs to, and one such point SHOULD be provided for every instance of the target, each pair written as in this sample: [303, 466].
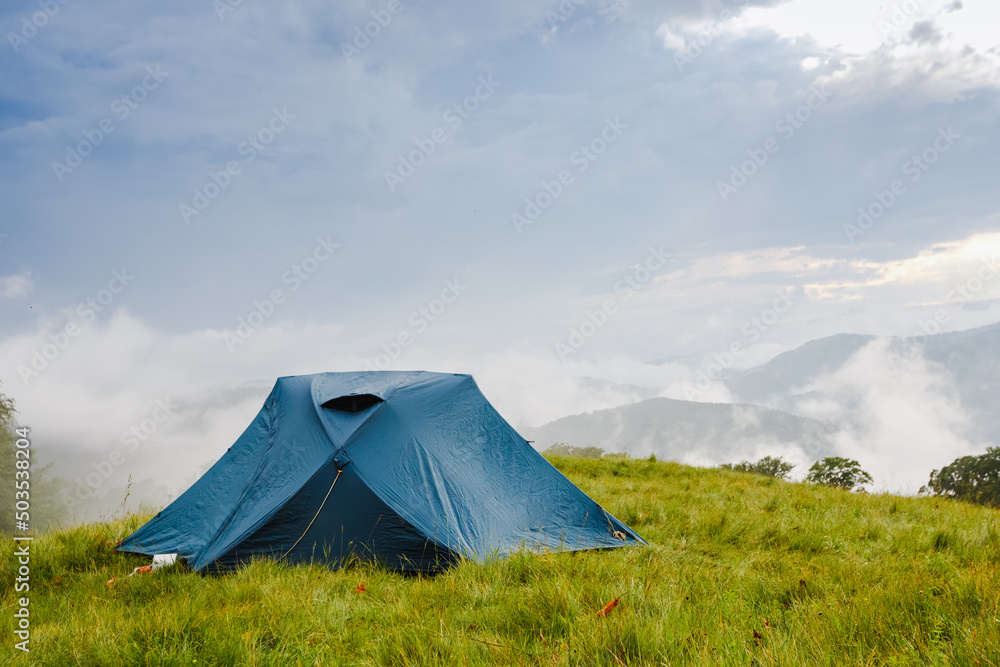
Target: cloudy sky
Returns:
[202, 196]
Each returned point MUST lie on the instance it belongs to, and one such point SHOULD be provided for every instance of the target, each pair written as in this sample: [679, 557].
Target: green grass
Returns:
[741, 570]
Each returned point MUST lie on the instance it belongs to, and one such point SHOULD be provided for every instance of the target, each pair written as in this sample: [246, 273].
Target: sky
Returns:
[203, 196]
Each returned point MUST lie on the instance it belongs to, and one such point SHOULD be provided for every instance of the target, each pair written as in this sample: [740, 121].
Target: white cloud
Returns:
[928, 275]
[859, 27]
[848, 25]
[956, 48]
[111, 376]
[810, 63]
[16, 286]
[672, 41]
[905, 415]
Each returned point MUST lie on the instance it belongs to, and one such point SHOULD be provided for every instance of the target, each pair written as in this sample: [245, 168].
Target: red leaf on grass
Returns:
[609, 606]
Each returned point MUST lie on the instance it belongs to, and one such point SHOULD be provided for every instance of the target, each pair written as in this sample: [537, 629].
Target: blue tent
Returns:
[411, 469]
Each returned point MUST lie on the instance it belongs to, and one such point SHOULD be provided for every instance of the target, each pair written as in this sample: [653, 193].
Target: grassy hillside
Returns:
[742, 570]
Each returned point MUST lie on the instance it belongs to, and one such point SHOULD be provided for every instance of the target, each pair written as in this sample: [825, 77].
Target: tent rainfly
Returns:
[414, 470]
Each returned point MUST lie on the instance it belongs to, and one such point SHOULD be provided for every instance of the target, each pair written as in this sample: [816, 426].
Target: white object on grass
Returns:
[163, 560]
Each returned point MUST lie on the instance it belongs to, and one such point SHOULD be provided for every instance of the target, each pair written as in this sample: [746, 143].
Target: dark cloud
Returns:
[925, 32]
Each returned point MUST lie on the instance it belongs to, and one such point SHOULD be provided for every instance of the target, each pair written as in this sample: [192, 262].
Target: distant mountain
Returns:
[973, 360]
[903, 406]
[635, 392]
[968, 360]
[787, 373]
[691, 432]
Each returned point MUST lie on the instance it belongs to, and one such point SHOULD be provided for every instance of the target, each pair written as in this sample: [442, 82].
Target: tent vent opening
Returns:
[353, 403]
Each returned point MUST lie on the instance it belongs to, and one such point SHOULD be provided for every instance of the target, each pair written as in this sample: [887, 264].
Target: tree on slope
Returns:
[6, 412]
[839, 473]
[975, 479]
[7, 464]
[769, 466]
[563, 449]
[45, 507]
